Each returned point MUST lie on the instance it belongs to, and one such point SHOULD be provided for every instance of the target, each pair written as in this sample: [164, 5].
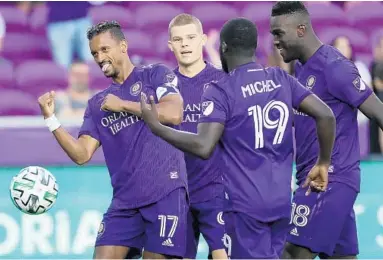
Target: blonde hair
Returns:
[185, 19]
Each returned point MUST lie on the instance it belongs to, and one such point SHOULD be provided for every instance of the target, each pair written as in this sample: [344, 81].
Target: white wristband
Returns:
[52, 123]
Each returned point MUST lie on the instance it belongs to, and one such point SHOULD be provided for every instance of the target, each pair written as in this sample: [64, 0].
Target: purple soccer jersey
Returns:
[336, 81]
[204, 176]
[255, 105]
[143, 168]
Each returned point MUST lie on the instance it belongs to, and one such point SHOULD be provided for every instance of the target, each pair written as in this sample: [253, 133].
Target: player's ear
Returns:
[170, 46]
[301, 30]
[224, 47]
[124, 46]
[204, 39]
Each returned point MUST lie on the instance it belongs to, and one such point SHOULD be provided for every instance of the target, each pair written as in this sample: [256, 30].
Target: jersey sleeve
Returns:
[298, 91]
[215, 105]
[89, 127]
[164, 81]
[345, 83]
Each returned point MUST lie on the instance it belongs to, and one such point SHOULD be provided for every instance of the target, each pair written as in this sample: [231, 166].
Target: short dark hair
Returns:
[107, 26]
[289, 7]
[240, 34]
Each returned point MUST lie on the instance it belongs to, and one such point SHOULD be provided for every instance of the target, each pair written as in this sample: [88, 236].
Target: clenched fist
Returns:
[112, 103]
[47, 104]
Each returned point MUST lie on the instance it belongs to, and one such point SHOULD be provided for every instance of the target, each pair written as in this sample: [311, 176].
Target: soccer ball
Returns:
[34, 190]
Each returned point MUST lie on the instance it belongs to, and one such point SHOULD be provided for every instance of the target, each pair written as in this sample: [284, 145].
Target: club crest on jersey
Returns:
[135, 89]
[359, 84]
[172, 80]
[206, 86]
[207, 107]
[310, 82]
[101, 229]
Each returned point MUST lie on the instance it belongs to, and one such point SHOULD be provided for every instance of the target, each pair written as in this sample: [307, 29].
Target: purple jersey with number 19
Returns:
[255, 105]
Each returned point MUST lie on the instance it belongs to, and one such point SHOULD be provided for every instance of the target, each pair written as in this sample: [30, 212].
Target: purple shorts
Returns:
[325, 222]
[248, 238]
[206, 218]
[158, 228]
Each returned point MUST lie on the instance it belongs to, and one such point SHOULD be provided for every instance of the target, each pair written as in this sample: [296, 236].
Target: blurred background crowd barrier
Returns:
[43, 47]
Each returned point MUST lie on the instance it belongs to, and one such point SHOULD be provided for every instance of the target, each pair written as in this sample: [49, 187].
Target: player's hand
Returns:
[47, 104]
[317, 179]
[112, 103]
[149, 112]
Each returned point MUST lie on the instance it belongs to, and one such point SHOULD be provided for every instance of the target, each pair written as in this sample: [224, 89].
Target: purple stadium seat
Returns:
[39, 76]
[260, 14]
[162, 48]
[38, 20]
[325, 15]
[6, 75]
[15, 19]
[15, 102]
[366, 16]
[112, 12]
[19, 47]
[97, 78]
[358, 39]
[156, 15]
[139, 42]
[214, 14]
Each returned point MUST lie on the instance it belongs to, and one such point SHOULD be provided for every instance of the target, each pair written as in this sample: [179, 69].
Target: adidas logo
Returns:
[294, 232]
[168, 242]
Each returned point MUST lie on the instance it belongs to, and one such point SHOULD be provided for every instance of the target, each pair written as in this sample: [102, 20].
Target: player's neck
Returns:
[193, 69]
[236, 61]
[126, 70]
[310, 48]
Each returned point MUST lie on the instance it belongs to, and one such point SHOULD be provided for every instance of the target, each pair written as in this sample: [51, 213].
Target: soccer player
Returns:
[250, 113]
[206, 190]
[149, 206]
[324, 223]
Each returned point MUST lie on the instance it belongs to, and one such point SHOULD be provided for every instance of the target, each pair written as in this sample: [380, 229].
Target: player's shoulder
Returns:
[155, 68]
[335, 63]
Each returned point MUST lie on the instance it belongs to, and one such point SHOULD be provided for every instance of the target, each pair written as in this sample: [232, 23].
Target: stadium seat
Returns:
[366, 16]
[325, 15]
[25, 105]
[6, 75]
[110, 12]
[153, 16]
[139, 43]
[358, 39]
[15, 19]
[39, 76]
[260, 14]
[162, 48]
[38, 20]
[19, 47]
[214, 14]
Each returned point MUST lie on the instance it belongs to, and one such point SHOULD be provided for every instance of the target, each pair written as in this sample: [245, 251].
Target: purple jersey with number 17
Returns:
[255, 105]
[143, 168]
[336, 81]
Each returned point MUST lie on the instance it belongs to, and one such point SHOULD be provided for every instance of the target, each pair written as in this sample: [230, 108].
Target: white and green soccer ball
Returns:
[34, 190]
